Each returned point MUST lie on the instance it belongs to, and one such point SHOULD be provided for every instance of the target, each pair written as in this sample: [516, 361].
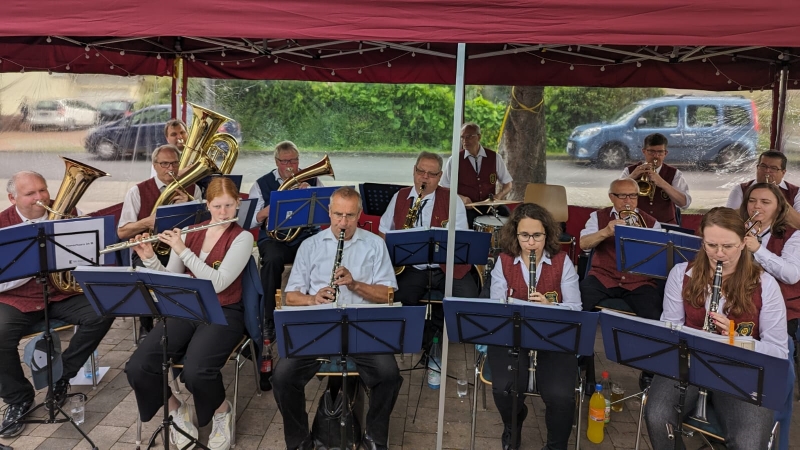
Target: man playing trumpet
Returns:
[669, 188]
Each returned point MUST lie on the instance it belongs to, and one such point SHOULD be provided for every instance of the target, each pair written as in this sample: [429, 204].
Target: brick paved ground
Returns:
[111, 410]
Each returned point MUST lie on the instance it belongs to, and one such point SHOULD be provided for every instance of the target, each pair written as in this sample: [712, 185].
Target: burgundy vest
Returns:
[746, 324]
[791, 292]
[477, 186]
[194, 241]
[440, 213]
[604, 261]
[149, 193]
[790, 193]
[661, 207]
[28, 297]
[549, 282]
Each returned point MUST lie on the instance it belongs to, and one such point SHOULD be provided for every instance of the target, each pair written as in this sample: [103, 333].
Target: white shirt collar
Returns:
[277, 176]
[545, 259]
[481, 153]
[159, 184]
[413, 194]
[328, 235]
[25, 219]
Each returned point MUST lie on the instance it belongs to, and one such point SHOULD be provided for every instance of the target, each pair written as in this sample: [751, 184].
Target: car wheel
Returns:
[612, 157]
[731, 159]
[106, 150]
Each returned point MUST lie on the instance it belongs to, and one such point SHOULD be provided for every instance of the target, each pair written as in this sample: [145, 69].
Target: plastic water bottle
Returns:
[87, 366]
[597, 415]
[607, 389]
[434, 365]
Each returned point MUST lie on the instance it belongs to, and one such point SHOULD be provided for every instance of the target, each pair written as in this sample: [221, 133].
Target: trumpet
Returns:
[631, 217]
[753, 226]
[646, 186]
[123, 245]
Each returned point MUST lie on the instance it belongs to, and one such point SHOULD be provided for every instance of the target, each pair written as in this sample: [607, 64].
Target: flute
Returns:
[123, 245]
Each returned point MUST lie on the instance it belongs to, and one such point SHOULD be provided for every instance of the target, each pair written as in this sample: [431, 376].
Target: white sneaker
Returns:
[220, 437]
[183, 420]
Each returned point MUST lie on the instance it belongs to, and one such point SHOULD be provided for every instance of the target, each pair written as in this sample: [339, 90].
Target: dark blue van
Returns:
[702, 131]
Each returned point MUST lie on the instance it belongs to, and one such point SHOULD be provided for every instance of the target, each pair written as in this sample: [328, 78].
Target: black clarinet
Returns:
[713, 305]
[532, 354]
[336, 263]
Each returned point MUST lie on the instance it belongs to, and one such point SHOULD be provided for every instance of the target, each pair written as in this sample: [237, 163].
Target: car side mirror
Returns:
[641, 121]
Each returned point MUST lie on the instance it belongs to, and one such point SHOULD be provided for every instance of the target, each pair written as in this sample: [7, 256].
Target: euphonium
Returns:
[320, 168]
[708, 325]
[203, 140]
[77, 178]
[632, 218]
[646, 185]
[411, 219]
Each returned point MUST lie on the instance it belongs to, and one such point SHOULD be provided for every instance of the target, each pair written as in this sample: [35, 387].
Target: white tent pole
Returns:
[458, 113]
[783, 82]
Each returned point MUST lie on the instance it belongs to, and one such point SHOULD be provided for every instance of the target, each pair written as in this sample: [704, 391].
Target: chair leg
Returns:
[641, 415]
[138, 430]
[236, 396]
[474, 409]
[135, 332]
[579, 406]
[94, 371]
[256, 373]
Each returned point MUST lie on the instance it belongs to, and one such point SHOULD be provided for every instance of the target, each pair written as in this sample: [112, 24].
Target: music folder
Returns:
[180, 215]
[299, 208]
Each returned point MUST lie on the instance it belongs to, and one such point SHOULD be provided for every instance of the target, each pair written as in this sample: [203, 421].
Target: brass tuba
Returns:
[646, 186]
[77, 178]
[320, 168]
[204, 140]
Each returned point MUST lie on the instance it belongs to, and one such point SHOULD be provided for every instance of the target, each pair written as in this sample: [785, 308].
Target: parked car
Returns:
[62, 114]
[140, 133]
[702, 131]
[111, 110]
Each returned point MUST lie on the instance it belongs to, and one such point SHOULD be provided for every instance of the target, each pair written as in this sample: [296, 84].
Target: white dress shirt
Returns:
[771, 318]
[785, 268]
[133, 202]
[736, 196]
[592, 224]
[500, 167]
[364, 255]
[678, 182]
[569, 281]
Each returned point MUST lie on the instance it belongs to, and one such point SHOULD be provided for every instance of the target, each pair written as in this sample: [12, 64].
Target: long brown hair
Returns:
[739, 287]
[508, 234]
[779, 224]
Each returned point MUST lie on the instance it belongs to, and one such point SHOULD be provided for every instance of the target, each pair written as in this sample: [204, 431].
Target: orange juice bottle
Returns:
[597, 416]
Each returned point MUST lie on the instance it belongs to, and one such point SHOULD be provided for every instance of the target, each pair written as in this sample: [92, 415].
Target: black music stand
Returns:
[352, 330]
[129, 292]
[299, 208]
[375, 197]
[520, 325]
[654, 253]
[180, 215]
[39, 250]
[667, 350]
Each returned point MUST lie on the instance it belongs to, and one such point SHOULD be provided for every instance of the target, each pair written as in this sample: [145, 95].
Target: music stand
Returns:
[654, 253]
[180, 215]
[375, 197]
[39, 250]
[299, 208]
[520, 324]
[658, 347]
[353, 330]
[127, 292]
[429, 246]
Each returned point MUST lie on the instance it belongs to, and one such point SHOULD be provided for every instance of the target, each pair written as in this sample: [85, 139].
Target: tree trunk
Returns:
[524, 140]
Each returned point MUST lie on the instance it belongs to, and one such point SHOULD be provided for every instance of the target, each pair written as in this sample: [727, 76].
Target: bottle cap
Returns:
[605, 374]
[436, 339]
[599, 387]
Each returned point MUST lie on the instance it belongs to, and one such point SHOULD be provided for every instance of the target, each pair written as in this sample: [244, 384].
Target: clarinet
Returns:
[336, 263]
[532, 354]
[708, 324]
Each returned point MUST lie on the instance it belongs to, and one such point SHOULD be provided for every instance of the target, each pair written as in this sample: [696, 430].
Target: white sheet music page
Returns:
[84, 243]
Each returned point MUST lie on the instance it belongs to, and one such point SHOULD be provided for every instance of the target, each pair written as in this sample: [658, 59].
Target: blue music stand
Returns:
[180, 215]
[517, 325]
[429, 246]
[299, 208]
[124, 292]
[247, 210]
[654, 253]
[651, 345]
[353, 330]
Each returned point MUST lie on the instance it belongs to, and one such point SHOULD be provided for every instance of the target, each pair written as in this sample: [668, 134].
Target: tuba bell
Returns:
[203, 139]
[320, 168]
[77, 178]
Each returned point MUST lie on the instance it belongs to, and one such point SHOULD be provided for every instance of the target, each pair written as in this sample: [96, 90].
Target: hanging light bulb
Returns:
[303, 68]
[122, 52]
[49, 40]
[602, 68]
[223, 53]
[158, 55]
[638, 64]
[542, 60]
[571, 67]
[333, 73]
[359, 70]
[389, 64]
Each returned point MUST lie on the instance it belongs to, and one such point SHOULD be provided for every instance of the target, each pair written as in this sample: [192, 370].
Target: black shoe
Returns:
[645, 378]
[60, 392]
[14, 412]
[506, 439]
[265, 382]
[307, 444]
[142, 334]
[369, 444]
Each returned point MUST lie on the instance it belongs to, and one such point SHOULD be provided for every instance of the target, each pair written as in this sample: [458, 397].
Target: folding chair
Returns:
[553, 198]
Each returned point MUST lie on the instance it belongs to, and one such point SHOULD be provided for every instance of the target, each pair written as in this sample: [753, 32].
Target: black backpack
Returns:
[326, 430]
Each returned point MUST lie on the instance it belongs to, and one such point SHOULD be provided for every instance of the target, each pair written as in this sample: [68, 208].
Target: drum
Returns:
[490, 224]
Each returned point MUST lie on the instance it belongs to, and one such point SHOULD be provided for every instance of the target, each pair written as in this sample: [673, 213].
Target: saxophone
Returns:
[708, 325]
[411, 219]
[532, 354]
[336, 263]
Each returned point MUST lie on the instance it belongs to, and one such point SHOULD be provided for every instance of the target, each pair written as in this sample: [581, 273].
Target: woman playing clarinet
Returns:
[746, 296]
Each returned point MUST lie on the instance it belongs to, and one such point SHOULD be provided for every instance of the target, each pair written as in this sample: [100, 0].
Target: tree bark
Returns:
[523, 143]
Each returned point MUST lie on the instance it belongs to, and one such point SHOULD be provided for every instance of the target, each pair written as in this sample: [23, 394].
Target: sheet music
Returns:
[245, 214]
[349, 306]
[117, 269]
[83, 243]
[512, 301]
[746, 342]
[160, 272]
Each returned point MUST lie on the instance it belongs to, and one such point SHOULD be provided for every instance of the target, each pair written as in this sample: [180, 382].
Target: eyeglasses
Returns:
[767, 168]
[624, 196]
[421, 172]
[286, 162]
[349, 217]
[167, 164]
[469, 136]
[726, 248]
[656, 152]
[537, 237]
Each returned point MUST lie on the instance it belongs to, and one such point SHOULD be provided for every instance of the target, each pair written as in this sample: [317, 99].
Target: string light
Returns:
[704, 59]
[602, 68]
[276, 60]
[389, 64]
[49, 40]
[67, 66]
[359, 70]
[413, 54]
[729, 81]
[86, 48]
[223, 53]
[158, 55]
[87, 55]
[542, 60]
[122, 52]
[303, 68]
[717, 74]
[112, 67]
[638, 64]
[569, 49]
[571, 67]
[333, 73]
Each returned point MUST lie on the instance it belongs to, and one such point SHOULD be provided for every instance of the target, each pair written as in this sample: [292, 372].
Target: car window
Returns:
[735, 116]
[660, 117]
[47, 105]
[148, 116]
[701, 116]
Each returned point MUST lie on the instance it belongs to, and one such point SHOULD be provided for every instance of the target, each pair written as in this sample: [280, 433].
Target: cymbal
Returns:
[492, 203]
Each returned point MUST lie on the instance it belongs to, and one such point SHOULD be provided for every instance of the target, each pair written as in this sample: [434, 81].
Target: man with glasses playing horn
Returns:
[771, 168]
[365, 275]
[669, 188]
[137, 209]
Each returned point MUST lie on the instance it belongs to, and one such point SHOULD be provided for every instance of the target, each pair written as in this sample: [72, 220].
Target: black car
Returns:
[112, 110]
[140, 133]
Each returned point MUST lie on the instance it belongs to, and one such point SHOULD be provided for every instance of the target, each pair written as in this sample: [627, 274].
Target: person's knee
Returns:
[198, 372]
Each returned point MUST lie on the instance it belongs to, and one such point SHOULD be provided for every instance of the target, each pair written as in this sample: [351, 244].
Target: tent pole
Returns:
[458, 114]
[178, 97]
[779, 109]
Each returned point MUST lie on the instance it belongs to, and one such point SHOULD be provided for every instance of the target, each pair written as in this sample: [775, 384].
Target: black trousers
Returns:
[413, 284]
[378, 372]
[645, 301]
[204, 350]
[556, 380]
[273, 257]
[14, 324]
